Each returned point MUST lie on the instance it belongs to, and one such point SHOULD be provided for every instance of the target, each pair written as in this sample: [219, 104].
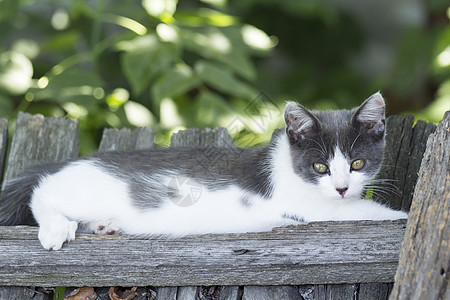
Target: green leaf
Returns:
[205, 16]
[142, 63]
[72, 85]
[160, 8]
[222, 44]
[6, 107]
[16, 71]
[223, 80]
[210, 107]
[175, 82]
[8, 8]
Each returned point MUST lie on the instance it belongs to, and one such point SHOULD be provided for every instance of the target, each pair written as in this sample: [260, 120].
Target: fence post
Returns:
[424, 267]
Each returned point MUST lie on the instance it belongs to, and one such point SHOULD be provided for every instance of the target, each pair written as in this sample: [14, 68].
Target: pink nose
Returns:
[342, 191]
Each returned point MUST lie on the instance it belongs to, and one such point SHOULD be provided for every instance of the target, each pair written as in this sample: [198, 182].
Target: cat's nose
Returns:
[342, 191]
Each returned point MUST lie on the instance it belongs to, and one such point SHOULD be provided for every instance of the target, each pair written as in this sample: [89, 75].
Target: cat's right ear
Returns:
[370, 115]
[299, 122]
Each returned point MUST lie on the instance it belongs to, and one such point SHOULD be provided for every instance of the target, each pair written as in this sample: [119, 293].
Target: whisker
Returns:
[323, 152]
[359, 134]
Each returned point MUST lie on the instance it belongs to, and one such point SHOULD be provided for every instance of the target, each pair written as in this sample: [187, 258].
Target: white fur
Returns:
[310, 203]
[83, 194]
[341, 177]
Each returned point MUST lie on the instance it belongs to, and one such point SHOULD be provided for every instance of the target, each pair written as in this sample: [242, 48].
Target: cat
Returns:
[314, 170]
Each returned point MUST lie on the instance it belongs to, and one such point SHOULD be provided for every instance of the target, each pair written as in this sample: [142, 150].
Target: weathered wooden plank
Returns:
[230, 293]
[342, 291]
[127, 139]
[271, 292]
[39, 140]
[3, 145]
[219, 293]
[187, 292]
[166, 293]
[421, 132]
[217, 137]
[374, 291]
[405, 146]
[316, 253]
[11, 293]
[424, 267]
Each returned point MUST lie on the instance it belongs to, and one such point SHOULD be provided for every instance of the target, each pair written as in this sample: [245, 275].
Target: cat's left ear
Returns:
[300, 123]
[370, 115]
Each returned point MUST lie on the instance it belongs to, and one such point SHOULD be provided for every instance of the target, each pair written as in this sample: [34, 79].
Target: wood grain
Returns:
[424, 268]
[12, 293]
[405, 145]
[3, 145]
[127, 139]
[39, 140]
[194, 137]
[317, 253]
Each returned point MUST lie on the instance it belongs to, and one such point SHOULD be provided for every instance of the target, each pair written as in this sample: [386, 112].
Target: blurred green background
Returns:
[177, 64]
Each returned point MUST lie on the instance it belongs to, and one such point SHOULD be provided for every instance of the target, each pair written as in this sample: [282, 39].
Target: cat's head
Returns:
[339, 151]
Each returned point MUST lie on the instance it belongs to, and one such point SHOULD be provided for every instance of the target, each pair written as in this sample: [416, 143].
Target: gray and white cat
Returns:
[316, 170]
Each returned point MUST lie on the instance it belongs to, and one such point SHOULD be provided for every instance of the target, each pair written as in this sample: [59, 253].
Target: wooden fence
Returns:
[324, 260]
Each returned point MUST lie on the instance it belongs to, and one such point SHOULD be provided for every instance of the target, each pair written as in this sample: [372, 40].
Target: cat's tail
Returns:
[16, 193]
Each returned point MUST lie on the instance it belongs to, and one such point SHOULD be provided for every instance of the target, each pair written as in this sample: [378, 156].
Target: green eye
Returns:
[357, 164]
[321, 168]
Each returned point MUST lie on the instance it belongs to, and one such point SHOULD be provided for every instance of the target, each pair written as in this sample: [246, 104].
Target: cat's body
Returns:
[315, 171]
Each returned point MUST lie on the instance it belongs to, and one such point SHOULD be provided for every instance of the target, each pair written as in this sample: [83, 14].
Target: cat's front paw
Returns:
[52, 235]
[109, 229]
[102, 227]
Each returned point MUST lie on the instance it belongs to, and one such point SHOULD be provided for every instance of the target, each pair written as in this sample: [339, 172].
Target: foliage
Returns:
[118, 63]
[174, 64]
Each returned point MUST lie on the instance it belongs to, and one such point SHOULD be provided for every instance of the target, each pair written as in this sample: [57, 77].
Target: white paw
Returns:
[53, 234]
[109, 228]
[103, 227]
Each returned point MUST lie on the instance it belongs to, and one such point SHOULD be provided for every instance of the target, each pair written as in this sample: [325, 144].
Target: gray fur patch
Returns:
[144, 171]
[294, 217]
[246, 201]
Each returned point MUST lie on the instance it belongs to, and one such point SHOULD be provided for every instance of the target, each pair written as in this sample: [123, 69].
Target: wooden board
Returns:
[194, 137]
[127, 139]
[39, 140]
[424, 268]
[405, 146]
[317, 253]
[3, 145]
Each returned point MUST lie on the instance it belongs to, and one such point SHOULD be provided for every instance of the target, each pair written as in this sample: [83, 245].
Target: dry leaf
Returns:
[84, 293]
[116, 294]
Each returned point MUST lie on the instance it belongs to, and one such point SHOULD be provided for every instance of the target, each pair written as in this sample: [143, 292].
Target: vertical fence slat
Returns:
[405, 145]
[195, 137]
[40, 140]
[3, 145]
[271, 292]
[375, 291]
[166, 293]
[424, 266]
[126, 139]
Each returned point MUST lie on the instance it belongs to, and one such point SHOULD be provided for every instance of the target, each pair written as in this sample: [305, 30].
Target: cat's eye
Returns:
[357, 164]
[321, 168]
